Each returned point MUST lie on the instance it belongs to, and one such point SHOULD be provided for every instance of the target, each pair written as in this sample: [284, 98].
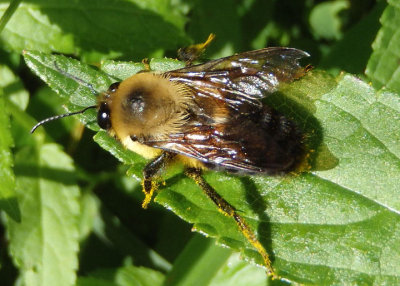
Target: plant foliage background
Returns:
[71, 210]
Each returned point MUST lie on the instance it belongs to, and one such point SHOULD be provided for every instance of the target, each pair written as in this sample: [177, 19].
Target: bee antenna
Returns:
[60, 116]
[75, 78]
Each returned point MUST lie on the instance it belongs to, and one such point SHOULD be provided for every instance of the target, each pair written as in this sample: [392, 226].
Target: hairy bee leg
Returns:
[229, 210]
[150, 171]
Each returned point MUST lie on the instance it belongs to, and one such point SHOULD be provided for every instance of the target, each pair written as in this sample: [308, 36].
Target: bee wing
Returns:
[271, 145]
[245, 77]
[228, 127]
[203, 144]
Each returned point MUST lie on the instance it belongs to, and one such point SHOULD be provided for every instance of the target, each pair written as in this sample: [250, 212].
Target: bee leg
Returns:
[230, 211]
[193, 52]
[146, 63]
[151, 170]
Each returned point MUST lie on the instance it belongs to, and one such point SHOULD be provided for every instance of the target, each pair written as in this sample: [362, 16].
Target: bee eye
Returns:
[103, 116]
[113, 87]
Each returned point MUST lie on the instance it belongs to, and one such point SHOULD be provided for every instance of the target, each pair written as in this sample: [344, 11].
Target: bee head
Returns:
[133, 104]
[144, 104]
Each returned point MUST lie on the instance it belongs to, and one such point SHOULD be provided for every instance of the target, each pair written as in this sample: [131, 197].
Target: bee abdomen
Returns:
[284, 141]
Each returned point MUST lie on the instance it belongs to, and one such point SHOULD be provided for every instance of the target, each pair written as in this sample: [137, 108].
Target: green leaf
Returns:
[45, 103]
[235, 271]
[44, 245]
[383, 66]
[8, 200]
[198, 263]
[204, 263]
[131, 29]
[91, 281]
[131, 275]
[327, 226]
[76, 95]
[13, 88]
[117, 150]
[325, 20]
[121, 70]
[351, 53]
[123, 240]
[124, 276]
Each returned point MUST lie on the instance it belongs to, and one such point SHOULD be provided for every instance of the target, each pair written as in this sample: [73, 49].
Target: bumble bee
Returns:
[208, 116]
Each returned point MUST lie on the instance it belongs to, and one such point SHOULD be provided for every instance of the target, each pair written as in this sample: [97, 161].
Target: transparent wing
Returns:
[243, 78]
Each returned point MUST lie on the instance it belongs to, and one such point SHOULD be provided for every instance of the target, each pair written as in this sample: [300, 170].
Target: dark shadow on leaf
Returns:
[9, 272]
[300, 108]
[13, 87]
[57, 175]
[266, 21]
[11, 207]
[130, 231]
[258, 205]
[175, 179]
[353, 51]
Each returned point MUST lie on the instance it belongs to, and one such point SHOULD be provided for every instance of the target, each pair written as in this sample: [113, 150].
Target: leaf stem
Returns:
[8, 13]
